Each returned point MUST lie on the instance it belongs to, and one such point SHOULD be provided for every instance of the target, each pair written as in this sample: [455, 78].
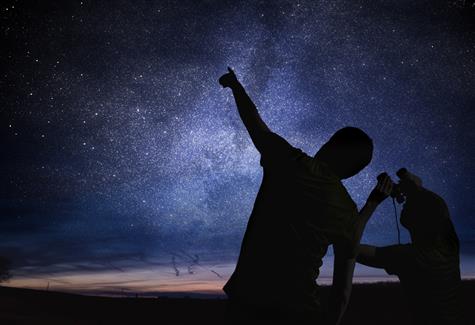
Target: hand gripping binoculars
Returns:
[397, 191]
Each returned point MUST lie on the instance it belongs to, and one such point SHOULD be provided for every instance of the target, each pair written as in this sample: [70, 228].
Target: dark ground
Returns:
[24, 306]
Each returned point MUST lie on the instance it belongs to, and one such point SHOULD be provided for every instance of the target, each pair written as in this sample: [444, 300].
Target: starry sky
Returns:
[124, 164]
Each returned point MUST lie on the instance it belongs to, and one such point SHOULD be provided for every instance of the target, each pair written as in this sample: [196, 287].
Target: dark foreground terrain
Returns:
[24, 306]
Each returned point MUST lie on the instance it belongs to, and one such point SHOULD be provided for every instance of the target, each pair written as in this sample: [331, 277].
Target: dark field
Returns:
[24, 306]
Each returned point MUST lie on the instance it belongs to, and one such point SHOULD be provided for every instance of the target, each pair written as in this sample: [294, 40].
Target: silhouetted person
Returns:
[428, 267]
[302, 207]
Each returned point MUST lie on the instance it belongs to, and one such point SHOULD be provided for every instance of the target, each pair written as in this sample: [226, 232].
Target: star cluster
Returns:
[118, 141]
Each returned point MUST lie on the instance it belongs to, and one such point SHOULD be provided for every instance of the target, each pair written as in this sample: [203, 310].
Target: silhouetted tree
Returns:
[5, 264]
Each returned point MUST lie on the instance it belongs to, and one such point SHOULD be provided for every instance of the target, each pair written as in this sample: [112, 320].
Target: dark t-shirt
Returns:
[428, 269]
[301, 209]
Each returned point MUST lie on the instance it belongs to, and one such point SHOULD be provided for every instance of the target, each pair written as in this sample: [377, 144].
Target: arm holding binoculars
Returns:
[345, 254]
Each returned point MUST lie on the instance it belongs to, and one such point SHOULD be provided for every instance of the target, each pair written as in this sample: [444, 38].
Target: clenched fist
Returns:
[228, 79]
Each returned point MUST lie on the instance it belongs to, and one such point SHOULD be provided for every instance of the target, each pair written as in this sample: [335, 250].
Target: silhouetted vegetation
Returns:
[5, 265]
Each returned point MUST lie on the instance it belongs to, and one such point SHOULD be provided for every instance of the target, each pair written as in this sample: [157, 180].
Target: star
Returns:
[113, 116]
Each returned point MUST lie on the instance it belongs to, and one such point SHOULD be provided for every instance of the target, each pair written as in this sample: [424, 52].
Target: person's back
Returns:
[432, 279]
[301, 208]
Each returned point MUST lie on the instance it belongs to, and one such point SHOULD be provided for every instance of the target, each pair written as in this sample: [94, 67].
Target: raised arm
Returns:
[345, 253]
[379, 193]
[247, 110]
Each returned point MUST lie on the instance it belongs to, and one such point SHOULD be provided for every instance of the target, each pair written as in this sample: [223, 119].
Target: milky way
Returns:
[118, 142]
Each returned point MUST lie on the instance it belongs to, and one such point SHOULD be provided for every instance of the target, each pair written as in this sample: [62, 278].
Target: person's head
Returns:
[347, 152]
[409, 183]
[426, 216]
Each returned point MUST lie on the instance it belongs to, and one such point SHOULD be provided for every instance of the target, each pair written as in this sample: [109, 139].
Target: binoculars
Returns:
[396, 192]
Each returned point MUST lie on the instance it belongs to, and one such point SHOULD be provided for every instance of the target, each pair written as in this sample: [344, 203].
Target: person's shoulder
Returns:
[432, 200]
[277, 151]
[320, 169]
[277, 145]
[428, 194]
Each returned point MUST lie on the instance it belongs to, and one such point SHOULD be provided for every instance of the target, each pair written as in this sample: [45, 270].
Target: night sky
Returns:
[125, 166]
